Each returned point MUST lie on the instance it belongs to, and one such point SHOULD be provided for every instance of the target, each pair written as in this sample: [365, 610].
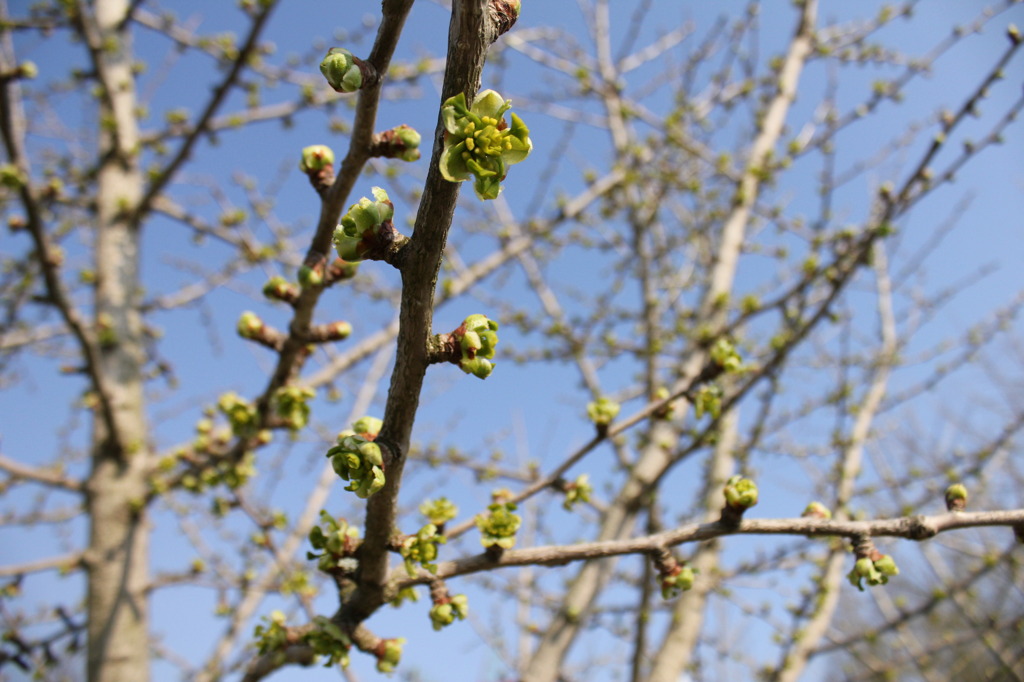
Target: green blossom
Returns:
[439, 511]
[499, 525]
[354, 237]
[603, 411]
[334, 541]
[358, 461]
[708, 400]
[724, 354]
[421, 549]
[291, 404]
[479, 143]
[444, 612]
[875, 572]
[240, 413]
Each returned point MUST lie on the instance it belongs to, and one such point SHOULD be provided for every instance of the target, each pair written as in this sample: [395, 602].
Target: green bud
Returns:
[956, 497]
[740, 493]
[679, 580]
[477, 338]
[315, 158]
[310, 277]
[367, 427]
[724, 354]
[359, 461]
[603, 411]
[341, 69]
[816, 510]
[499, 525]
[249, 325]
[389, 654]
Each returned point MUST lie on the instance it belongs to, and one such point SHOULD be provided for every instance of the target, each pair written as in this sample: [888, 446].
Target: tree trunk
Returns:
[117, 559]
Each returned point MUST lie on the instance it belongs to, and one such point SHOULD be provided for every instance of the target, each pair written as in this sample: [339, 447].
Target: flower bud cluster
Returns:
[874, 569]
[439, 511]
[335, 541]
[359, 461]
[708, 400]
[603, 411]
[723, 354]
[499, 525]
[478, 143]
[421, 549]
[446, 610]
[362, 227]
[477, 337]
[240, 413]
[676, 580]
[291, 404]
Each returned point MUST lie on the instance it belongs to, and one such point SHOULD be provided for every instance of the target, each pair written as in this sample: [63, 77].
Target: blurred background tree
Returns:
[767, 255]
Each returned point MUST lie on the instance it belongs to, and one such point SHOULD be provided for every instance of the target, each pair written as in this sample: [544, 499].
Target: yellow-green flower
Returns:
[479, 143]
